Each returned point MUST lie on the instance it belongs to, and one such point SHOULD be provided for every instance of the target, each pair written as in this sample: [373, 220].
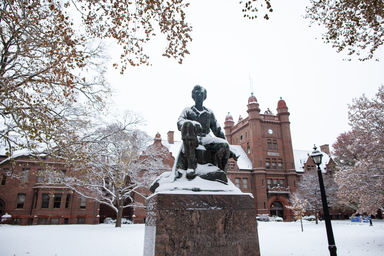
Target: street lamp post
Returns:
[317, 157]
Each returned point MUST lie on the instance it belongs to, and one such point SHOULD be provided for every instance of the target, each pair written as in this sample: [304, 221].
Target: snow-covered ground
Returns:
[276, 238]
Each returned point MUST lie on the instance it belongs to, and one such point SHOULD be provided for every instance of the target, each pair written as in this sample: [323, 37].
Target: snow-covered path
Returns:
[276, 239]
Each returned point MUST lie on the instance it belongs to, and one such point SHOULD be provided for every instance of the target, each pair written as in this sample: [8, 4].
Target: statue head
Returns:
[199, 90]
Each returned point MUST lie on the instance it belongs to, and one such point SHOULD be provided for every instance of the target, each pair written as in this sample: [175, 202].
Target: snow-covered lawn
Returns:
[276, 238]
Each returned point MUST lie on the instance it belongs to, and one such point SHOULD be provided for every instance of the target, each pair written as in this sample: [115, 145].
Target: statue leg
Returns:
[220, 154]
[223, 157]
[190, 143]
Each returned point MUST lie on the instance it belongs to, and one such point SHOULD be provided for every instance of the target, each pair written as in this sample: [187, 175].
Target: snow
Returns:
[276, 238]
[16, 154]
[174, 148]
[168, 183]
[301, 157]
[243, 161]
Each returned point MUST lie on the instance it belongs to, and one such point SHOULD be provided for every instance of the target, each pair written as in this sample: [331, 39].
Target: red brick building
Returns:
[266, 166]
[29, 200]
[139, 212]
[266, 142]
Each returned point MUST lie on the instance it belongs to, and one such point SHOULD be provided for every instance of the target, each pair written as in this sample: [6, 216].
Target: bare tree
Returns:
[117, 168]
[299, 208]
[309, 189]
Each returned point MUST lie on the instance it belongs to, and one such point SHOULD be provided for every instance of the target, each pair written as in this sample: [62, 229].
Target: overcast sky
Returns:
[283, 56]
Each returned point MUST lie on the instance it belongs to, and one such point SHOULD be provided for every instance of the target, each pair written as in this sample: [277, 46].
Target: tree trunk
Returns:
[119, 216]
[301, 222]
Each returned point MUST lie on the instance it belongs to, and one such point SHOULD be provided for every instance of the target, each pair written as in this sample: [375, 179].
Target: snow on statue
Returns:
[202, 162]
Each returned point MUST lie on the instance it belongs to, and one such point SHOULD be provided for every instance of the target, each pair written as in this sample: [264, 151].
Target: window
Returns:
[274, 163]
[269, 144]
[16, 221]
[57, 200]
[80, 220]
[245, 183]
[282, 183]
[274, 145]
[269, 183]
[248, 148]
[83, 202]
[237, 182]
[20, 200]
[280, 164]
[25, 176]
[262, 182]
[241, 137]
[63, 173]
[232, 165]
[67, 200]
[55, 221]
[267, 163]
[3, 178]
[45, 201]
[40, 176]
[41, 221]
[294, 183]
[275, 182]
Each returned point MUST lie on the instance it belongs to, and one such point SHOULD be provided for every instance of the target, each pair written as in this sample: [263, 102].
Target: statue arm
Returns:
[184, 117]
[216, 128]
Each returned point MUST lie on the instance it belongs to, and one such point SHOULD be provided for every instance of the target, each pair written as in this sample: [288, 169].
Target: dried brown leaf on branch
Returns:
[356, 27]
[52, 70]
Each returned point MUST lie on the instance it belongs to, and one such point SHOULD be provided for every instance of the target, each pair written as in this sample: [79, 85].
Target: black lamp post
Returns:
[317, 157]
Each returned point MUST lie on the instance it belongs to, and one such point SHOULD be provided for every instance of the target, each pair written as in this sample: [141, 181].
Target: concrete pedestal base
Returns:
[198, 224]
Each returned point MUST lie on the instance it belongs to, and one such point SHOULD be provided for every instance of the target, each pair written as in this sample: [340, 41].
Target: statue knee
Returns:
[188, 131]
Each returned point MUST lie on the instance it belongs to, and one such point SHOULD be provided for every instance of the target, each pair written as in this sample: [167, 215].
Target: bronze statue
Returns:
[195, 124]
[202, 154]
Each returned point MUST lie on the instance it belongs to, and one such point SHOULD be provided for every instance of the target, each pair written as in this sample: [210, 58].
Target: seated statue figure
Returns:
[201, 154]
[199, 147]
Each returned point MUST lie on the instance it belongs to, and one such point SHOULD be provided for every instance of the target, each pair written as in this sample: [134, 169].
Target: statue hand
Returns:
[198, 129]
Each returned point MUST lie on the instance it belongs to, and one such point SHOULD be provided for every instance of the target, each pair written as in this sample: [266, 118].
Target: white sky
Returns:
[282, 56]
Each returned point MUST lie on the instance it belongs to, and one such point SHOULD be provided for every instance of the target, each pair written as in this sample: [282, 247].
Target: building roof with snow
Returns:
[243, 161]
[301, 157]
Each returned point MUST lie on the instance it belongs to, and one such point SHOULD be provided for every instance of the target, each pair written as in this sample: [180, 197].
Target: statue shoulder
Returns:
[187, 110]
[209, 110]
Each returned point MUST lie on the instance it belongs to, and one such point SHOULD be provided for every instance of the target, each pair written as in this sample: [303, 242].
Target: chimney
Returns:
[325, 148]
[170, 137]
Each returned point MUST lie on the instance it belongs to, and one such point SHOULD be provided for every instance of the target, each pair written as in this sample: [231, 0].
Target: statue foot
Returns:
[191, 174]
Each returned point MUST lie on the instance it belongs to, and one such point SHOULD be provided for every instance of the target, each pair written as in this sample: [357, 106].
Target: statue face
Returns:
[199, 94]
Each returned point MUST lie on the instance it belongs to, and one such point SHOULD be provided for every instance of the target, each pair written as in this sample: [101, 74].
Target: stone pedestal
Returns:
[201, 224]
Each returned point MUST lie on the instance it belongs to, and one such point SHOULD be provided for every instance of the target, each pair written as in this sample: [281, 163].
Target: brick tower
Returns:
[266, 141]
